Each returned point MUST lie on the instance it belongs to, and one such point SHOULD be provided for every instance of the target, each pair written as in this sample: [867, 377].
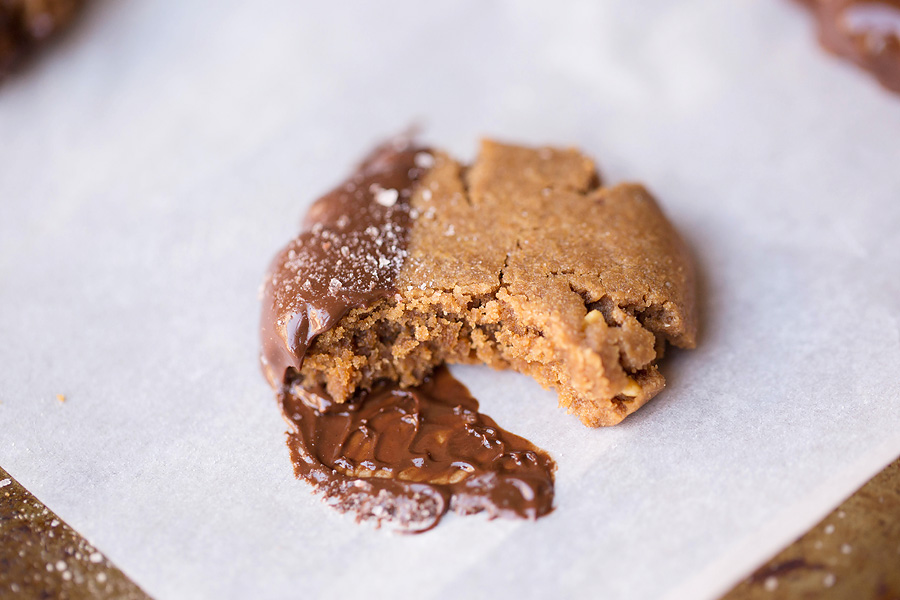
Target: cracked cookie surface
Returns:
[521, 260]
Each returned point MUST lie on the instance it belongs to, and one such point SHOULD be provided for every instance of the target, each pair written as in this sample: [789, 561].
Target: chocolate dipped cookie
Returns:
[522, 260]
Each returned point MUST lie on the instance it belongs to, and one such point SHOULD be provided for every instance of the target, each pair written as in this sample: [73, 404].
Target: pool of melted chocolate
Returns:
[407, 456]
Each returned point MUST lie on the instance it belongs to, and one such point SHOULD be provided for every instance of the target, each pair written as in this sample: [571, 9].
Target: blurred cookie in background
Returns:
[26, 24]
[867, 32]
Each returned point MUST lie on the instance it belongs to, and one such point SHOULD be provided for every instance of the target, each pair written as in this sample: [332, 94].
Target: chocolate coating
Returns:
[353, 244]
[409, 456]
[865, 31]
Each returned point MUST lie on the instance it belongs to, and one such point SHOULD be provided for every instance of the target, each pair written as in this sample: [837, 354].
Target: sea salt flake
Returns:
[5, 482]
[771, 583]
[96, 557]
[829, 580]
[387, 197]
[426, 195]
[335, 283]
[424, 160]
[829, 529]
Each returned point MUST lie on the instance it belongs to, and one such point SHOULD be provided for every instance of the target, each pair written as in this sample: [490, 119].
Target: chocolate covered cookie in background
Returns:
[25, 24]
[521, 261]
[867, 32]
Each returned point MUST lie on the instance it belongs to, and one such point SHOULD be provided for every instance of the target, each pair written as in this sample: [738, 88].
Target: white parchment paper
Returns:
[154, 159]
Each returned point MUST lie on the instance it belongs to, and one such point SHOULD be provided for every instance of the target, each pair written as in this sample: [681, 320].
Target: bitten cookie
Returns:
[521, 260]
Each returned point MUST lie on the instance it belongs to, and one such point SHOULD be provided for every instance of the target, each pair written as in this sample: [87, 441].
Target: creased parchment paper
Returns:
[154, 159]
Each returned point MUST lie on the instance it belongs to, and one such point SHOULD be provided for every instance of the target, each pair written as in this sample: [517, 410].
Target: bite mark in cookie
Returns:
[522, 261]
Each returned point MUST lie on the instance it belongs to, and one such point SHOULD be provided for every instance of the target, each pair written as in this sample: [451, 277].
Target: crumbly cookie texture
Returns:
[524, 261]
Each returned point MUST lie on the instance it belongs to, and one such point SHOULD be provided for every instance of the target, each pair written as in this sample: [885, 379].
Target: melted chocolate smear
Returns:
[407, 456]
[348, 255]
[865, 31]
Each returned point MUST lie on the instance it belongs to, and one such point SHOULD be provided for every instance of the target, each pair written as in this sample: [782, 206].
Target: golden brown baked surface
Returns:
[523, 261]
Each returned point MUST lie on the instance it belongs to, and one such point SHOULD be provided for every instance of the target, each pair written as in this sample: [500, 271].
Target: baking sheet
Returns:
[155, 159]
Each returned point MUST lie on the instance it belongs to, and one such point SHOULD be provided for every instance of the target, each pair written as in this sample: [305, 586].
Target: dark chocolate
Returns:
[867, 32]
[407, 456]
[353, 245]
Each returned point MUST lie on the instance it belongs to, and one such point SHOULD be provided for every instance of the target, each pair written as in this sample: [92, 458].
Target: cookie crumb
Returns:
[61, 398]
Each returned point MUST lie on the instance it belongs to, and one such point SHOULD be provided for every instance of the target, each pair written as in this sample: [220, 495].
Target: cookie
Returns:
[26, 23]
[866, 32]
[521, 260]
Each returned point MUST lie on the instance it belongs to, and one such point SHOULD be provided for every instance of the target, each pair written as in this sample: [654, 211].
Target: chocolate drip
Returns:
[348, 255]
[409, 456]
[865, 31]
